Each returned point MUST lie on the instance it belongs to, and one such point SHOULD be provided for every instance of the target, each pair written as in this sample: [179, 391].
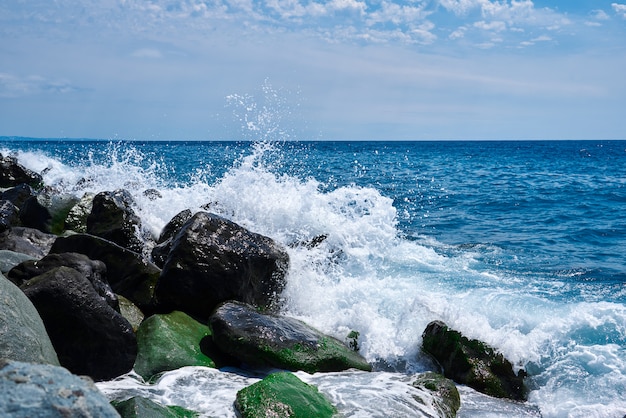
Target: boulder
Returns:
[164, 243]
[23, 336]
[28, 241]
[113, 218]
[213, 260]
[34, 215]
[88, 335]
[473, 363]
[18, 194]
[10, 259]
[93, 270]
[128, 273]
[168, 342]
[282, 395]
[138, 407]
[9, 215]
[131, 312]
[12, 173]
[445, 396]
[267, 340]
[43, 390]
[76, 219]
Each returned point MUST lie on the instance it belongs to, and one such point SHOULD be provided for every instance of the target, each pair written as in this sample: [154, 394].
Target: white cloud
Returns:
[396, 14]
[620, 9]
[458, 33]
[12, 86]
[496, 26]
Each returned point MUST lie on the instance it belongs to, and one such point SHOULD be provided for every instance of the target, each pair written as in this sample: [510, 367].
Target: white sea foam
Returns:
[364, 276]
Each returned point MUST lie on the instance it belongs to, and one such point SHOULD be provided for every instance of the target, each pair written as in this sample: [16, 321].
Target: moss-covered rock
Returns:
[473, 363]
[168, 342]
[267, 340]
[131, 312]
[282, 395]
[138, 407]
[446, 396]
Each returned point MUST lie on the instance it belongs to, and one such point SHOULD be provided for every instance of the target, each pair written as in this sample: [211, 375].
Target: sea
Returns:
[520, 244]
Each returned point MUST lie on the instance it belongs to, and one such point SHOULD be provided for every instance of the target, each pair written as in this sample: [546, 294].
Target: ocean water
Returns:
[518, 244]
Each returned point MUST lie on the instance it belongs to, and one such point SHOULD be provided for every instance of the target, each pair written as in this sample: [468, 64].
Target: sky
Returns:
[313, 69]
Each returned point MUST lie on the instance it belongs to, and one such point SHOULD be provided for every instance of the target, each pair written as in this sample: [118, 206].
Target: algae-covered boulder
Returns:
[445, 395]
[23, 336]
[170, 341]
[267, 340]
[473, 363]
[138, 407]
[42, 390]
[282, 395]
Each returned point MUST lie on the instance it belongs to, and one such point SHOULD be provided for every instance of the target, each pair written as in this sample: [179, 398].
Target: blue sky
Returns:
[313, 69]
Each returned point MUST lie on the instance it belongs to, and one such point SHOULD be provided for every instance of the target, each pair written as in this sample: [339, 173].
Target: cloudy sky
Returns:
[313, 69]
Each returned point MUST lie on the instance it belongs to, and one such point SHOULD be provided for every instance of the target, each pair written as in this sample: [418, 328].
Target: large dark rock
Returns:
[12, 173]
[18, 194]
[28, 241]
[473, 363]
[282, 395]
[42, 391]
[164, 242]
[76, 219]
[169, 342]
[113, 218]
[88, 335]
[9, 215]
[23, 336]
[267, 340]
[93, 270]
[213, 260]
[34, 215]
[127, 272]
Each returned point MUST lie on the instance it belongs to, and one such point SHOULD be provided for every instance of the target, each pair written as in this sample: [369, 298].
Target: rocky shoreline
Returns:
[83, 294]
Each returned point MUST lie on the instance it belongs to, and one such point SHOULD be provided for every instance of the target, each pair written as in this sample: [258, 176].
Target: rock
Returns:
[18, 194]
[28, 241]
[39, 391]
[168, 342]
[10, 259]
[23, 336]
[9, 215]
[59, 206]
[445, 396]
[34, 215]
[164, 243]
[131, 312]
[12, 173]
[113, 218]
[88, 335]
[473, 363]
[127, 272]
[213, 260]
[138, 407]
[267, 340]
[152, 194]
[93, 270]
[76, 219]
[282, 395]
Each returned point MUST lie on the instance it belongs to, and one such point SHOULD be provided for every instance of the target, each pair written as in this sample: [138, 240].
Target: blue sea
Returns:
[520, 244]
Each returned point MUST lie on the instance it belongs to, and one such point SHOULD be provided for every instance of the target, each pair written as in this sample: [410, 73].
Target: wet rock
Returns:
[168, 342]
[473, 363]
[113, 218]
[34, 215]
[164, 243]
[213, 260]
[131, 312]
[138, 407]
[28, 241]
[23, 336]
[9, 215]
[89, 336]
[12, 173]
[93, 270]
[445, 396]
[266, 340]
[10, 259]
[282, 395]
[76, 219]
[37, 390]
[128, 273]
[18, 194]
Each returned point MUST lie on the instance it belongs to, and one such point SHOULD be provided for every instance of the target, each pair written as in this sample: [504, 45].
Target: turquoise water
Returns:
[520, 244]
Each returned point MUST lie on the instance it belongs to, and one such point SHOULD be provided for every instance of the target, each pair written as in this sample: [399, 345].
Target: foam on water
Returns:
[351, 269]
